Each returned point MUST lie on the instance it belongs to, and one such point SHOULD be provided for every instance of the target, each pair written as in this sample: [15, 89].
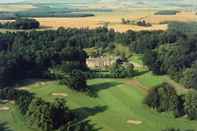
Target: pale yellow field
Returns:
[182, 17]
[113, 20]
[15, 7]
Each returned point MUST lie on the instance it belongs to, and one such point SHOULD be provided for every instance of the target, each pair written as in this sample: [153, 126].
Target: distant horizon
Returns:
[10, 1]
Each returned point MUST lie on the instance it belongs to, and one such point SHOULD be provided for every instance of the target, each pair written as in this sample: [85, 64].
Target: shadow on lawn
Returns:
[3, 127]
[95, 88]
[139, 73]
[84, 112]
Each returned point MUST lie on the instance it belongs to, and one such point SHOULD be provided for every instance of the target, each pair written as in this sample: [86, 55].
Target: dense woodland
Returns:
[31, 54]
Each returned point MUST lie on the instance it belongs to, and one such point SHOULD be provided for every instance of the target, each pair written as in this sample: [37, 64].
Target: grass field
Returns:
[112, 103]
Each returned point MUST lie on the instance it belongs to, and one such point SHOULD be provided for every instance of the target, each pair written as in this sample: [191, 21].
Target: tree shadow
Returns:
[95, 88]
[85, 112]
[27, 82]
[86, 125]
[139, 73]
[4, 127]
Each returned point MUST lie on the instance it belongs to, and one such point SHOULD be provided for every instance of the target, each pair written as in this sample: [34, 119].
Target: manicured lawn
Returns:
[111, 104]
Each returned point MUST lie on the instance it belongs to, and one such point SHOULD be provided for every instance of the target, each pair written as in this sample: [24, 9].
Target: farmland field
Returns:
[102, 16]
[15, 7]
[113, 20]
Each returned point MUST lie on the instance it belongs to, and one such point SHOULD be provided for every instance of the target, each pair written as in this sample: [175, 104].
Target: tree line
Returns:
[164, 98]
[21, 23]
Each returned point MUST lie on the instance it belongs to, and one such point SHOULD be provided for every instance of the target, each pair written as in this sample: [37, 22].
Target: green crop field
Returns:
[110, 106]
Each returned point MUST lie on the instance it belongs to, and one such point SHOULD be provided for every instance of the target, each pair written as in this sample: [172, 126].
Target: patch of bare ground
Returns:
[134, 122]
[4, 108]
[60, 94]
[135, 83]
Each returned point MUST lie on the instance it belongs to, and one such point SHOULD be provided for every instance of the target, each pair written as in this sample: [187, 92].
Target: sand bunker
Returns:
[4, 108]
[59, 94]
[23, 88]
[4, 101]
[42, 83]
[135, 122]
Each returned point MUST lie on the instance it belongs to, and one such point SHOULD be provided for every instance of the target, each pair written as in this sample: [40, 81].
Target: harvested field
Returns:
[15, 7]
[93, 23]
[113, 20]
[182, 17]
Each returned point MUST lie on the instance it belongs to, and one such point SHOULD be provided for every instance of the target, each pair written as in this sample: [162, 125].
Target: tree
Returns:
[76, 80]
[191, 105]
[190, 77]
[23, 100]
[60, 114]
[162, 98]
[150, 59]
[122, 70]
[21, 23]
[39, 114]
